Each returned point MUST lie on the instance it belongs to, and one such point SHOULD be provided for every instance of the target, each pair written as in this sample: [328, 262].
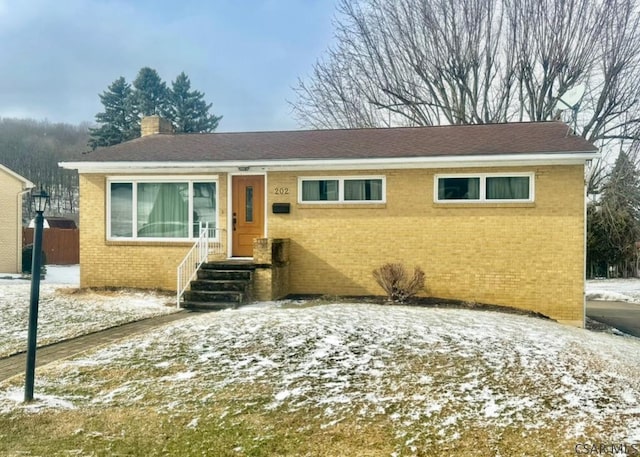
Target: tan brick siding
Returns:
[523, 255]
[10, 224]
[140, 264]
[528, 256]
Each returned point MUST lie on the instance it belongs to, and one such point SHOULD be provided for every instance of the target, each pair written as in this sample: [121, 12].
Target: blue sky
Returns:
[245, 55]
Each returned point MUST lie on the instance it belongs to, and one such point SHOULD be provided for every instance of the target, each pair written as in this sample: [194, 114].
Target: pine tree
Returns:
[189, 112]
[151, 95]
[125, 105]
[119, 120]
[613, 226]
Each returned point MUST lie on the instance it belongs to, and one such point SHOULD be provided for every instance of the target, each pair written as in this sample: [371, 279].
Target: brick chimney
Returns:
[152, 125]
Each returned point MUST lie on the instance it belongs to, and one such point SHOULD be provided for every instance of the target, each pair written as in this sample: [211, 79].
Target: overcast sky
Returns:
[245, 55]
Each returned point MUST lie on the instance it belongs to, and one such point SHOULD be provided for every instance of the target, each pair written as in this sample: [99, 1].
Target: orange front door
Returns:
[248, 213]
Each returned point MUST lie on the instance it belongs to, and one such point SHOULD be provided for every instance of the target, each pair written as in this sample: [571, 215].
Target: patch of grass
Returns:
[142, 431]
[236, 421]
[136, 431]
[111, 291]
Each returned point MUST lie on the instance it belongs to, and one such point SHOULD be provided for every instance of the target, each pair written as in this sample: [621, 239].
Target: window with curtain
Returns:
[485, 188]
[204, 207]
[121, 209]
[358, 189]
[320, 190]
[161, 210]
[363, 189]
[507, 187]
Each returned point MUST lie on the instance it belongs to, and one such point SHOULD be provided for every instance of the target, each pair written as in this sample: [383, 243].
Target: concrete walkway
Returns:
[16, 364]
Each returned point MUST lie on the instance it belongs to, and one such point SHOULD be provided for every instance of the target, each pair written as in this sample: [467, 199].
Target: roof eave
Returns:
[26, 184]
[489, 160]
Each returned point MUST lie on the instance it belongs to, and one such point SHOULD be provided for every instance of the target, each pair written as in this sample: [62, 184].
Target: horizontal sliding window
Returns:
[320, 190]
[507, 187]
[459, 189]
[516, 187]
[359, 189]
[144, 209]
[363, 190]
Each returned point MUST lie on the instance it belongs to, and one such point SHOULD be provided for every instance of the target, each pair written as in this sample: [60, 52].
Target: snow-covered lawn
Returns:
[318, 379]
[614, 290]
[64, 312]
[432, 376]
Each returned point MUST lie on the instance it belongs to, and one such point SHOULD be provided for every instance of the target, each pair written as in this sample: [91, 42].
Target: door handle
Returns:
[234, 222]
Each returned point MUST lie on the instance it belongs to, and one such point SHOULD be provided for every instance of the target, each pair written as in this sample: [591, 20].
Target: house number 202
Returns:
[282, 190]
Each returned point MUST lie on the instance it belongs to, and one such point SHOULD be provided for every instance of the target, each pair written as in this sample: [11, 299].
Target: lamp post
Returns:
[40, 200]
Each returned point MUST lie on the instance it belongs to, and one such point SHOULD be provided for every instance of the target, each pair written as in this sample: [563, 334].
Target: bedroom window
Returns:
[517, 187]
[359, 189]
[160, 209]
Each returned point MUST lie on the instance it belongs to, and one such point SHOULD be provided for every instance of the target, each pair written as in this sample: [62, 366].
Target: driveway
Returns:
[621, 315]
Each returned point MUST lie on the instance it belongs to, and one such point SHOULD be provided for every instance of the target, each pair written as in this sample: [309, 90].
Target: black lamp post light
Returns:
[39, 200]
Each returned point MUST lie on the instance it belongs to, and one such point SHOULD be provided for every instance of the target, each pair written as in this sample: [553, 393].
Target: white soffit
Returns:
[505, 160]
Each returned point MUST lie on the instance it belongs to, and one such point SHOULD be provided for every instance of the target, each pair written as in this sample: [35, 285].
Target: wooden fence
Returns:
[61, 246]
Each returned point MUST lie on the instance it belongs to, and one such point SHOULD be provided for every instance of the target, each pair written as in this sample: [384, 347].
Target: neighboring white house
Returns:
[12, 190]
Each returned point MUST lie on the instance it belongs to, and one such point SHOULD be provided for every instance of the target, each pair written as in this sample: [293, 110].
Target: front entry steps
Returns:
[220, 285]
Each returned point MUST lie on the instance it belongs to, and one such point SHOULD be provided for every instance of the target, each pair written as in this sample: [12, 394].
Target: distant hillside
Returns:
[33, 149]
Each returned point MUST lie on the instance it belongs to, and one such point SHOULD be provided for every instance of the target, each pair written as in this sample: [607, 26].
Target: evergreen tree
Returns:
[189, 112]
[613, 225]
[125, 105]
[151, 95]
[119, 120]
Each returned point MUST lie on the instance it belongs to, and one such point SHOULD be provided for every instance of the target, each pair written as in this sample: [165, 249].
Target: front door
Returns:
[248, 213]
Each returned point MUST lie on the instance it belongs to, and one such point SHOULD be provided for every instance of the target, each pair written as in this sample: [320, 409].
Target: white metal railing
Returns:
[206, 244]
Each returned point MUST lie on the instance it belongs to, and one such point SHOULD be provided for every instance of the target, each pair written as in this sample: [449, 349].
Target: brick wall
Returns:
[271, 277]
[140, 264]
[524, 255]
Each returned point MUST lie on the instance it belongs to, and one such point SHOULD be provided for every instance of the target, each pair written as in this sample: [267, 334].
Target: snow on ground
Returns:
[56, 274]
[446, 366]
[627, 290]
[421, 366]
[64, 312]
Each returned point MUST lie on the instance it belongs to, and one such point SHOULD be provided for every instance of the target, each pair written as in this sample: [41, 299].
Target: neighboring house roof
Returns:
[361, 145]
[55, 222]
[26, 184]
[61, 222]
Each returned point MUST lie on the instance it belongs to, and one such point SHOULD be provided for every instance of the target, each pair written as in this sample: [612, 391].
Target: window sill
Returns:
[114, 242]
[482, 205]
[341, 205]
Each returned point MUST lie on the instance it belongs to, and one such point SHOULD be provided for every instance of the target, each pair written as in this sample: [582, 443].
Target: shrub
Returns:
[395, 280]
[27, 258]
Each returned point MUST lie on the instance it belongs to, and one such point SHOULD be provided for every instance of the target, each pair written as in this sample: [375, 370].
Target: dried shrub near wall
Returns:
[396, 282]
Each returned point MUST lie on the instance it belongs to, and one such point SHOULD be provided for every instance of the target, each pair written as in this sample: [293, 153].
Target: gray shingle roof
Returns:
[460, 140]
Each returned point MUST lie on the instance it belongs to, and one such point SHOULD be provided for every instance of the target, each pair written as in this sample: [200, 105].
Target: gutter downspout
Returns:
[584, 260]
[19, 246]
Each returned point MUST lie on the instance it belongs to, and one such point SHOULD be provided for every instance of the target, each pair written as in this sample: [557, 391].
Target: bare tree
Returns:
[33, 149]
[428, 62]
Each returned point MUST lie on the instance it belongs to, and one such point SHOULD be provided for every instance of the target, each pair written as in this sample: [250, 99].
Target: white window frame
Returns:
[483, 187]
[341, 180]
[135, 180]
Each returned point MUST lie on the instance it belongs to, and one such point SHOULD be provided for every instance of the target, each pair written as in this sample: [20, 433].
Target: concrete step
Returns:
[209, 306]
[220, 285]
[240, 265]
[232, 275]
[213, 296]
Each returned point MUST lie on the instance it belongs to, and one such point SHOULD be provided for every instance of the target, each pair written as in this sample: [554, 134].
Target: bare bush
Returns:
[396, 282]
